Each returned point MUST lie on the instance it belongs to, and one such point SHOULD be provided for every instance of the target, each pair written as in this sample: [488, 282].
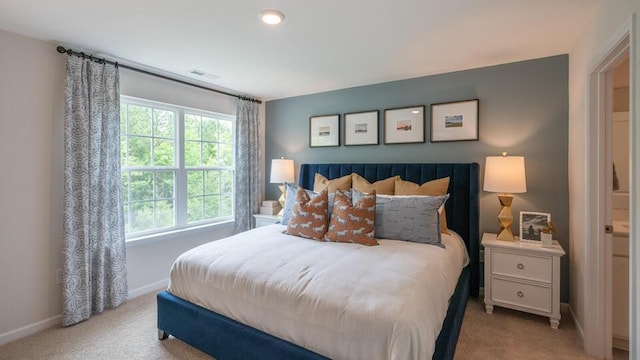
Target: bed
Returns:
[224, 338]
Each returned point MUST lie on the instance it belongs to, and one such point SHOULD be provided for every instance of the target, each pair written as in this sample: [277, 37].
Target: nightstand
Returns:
[522, 276]
[264, 220]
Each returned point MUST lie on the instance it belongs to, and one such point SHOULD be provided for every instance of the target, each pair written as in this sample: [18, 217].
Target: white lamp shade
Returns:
[281, 171]
[505, 174]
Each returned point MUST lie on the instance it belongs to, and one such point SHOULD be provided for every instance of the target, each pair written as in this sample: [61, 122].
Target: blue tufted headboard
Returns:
[462, 206]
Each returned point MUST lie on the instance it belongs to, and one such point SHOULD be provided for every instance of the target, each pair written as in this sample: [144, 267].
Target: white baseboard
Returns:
[148, 288]
[577, 324]
[56, 320]
[621, 342]
[30, 329]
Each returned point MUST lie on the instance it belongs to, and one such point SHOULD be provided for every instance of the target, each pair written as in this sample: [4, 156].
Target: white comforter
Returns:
[344, 301]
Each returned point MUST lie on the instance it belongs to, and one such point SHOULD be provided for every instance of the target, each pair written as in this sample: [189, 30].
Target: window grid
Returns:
[154, 199]
[203, 202]
[210, 202]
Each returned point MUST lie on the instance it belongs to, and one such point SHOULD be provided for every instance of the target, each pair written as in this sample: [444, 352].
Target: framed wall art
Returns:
[324, 130]
[454, 121]
[361, 128]
[531, 223]
[404, 125]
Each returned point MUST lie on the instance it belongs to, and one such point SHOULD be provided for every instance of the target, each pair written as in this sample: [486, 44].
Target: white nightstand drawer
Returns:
[524, 295]
[522, 266]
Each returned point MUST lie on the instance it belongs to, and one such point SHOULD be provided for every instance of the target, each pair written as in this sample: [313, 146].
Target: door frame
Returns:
[598, 251]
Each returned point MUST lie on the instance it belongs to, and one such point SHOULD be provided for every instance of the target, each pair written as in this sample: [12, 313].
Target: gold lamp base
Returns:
[505, 218]
[282, 199]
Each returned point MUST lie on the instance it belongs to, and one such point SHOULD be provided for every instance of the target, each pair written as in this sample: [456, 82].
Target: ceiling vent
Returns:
[204, 74]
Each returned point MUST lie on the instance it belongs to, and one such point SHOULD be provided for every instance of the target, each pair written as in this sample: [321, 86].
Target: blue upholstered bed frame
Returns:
[225, 338]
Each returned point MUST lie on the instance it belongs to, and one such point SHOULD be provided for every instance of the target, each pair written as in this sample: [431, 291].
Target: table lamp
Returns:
[505, 175]
[281, 172]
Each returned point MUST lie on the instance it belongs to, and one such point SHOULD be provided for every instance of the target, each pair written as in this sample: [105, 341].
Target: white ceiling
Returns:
[321, 45]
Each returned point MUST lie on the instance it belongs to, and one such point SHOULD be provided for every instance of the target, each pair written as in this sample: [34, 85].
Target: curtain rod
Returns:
[63, 50]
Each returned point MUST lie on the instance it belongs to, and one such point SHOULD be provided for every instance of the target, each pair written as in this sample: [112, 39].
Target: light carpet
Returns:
[129, 332]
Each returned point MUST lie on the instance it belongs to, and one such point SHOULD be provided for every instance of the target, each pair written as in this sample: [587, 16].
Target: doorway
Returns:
[620, 158]
[599, 302]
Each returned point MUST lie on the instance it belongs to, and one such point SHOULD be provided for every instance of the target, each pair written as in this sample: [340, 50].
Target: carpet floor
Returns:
[129, 332]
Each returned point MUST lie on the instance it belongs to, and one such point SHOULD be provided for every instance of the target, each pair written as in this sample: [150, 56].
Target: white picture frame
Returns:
[361, 128]
[324, 130]
[531, 223]
[404, 125]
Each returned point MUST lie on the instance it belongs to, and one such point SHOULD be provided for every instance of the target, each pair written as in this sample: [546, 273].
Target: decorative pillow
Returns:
[320, 183]
[436, 187]
[382, 187]
[309, 217]
[353, 223]
[290, 200]
[409, 218]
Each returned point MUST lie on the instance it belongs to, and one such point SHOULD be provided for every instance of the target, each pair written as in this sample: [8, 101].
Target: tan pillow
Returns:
[436, 187]
[320, 183]
[382, 187]
[353, 223]
[309, 216]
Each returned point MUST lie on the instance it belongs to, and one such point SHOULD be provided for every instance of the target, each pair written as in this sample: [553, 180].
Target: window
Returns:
[177, 166]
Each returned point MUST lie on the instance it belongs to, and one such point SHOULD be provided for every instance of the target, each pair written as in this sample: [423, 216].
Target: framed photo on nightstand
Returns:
[531, 224]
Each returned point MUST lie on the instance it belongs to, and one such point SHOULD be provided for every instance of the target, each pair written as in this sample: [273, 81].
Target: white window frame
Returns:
[180, 180]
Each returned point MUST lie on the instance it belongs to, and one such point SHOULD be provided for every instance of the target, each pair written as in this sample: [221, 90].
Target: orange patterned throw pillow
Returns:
[309, 216]
[353, 223]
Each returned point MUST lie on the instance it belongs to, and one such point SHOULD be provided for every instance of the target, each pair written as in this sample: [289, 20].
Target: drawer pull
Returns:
[520, 294]
[520, 266]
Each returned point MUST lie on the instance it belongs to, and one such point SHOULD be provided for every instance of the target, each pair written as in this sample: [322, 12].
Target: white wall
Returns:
[31, 160]
[608, 20]
[31, 190]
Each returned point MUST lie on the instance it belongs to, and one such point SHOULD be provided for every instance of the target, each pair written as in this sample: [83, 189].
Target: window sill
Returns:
[172, 234]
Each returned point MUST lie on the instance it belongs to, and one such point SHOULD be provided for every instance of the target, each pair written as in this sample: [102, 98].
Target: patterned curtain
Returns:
[248, 177]
[95, 274]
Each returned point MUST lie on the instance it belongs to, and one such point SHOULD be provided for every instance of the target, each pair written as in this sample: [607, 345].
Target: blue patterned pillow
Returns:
[291, 190]
[408, 218]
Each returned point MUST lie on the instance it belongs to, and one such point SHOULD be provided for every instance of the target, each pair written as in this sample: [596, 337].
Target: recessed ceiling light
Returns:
[272, 17]
[415, 112]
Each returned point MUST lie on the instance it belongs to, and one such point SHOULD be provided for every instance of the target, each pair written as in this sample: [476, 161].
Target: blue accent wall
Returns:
[524, 110]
